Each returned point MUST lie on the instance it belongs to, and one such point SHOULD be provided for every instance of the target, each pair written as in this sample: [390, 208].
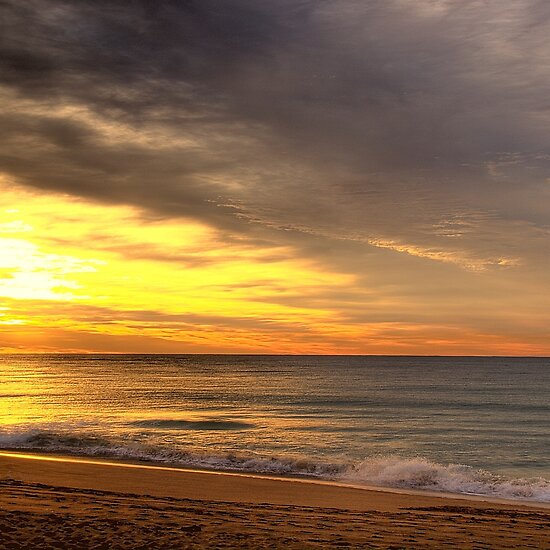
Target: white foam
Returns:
[420, 473]
[383, 471]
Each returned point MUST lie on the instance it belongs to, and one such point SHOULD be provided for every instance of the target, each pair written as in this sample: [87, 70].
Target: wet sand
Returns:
[73, 504]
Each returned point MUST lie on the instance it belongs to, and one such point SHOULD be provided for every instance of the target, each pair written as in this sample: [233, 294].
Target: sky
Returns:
[250, 176]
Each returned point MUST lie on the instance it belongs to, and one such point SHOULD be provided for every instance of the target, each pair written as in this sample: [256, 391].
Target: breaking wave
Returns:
[383, 471]
[420, 473]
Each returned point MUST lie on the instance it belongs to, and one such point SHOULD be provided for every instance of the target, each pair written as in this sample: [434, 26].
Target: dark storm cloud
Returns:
[136, 64]
[416, 126]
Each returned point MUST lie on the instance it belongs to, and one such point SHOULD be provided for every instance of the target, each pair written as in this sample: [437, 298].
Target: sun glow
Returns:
[79, 276]
[85, 269]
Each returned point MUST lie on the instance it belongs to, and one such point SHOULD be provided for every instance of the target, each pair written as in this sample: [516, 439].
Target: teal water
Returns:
[474, 425]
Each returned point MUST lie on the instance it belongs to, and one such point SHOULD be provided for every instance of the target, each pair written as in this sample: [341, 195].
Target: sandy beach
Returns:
[52, 502]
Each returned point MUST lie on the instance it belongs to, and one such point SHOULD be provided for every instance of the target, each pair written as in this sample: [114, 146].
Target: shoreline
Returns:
[161, 467]
[65, 502]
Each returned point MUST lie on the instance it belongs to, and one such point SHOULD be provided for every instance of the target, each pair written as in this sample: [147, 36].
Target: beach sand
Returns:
[49, 502]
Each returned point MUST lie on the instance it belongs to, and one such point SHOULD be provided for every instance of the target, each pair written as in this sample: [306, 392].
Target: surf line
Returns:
[289, 479]
[123, 464]
[183, 469]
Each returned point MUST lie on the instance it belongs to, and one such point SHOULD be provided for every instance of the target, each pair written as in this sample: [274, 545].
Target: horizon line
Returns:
[272, 354]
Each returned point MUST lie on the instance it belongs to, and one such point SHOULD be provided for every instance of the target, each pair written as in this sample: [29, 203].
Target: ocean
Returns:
[473, 425]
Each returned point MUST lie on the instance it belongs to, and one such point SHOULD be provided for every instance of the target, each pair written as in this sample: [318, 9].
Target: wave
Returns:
[94, 445]
[421, 473]
[169, 424]
[382, 471]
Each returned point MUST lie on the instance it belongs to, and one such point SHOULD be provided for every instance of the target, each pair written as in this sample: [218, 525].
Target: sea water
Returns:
[464, 425]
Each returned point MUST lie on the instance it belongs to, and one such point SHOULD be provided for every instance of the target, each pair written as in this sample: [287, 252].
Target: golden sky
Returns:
[82, 276]
[78, 276]
[355, 178]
